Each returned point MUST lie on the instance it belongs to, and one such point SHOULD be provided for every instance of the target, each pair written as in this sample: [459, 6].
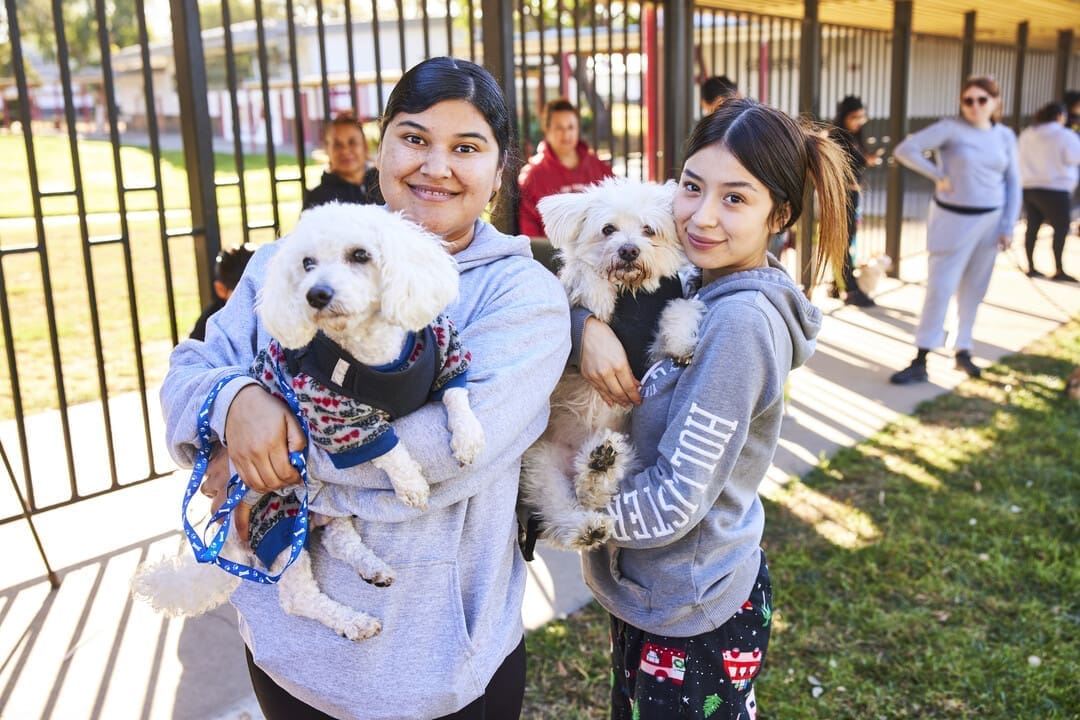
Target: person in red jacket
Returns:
[563, 163]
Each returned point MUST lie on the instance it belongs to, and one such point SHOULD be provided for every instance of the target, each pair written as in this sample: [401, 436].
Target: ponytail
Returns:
[831, 175]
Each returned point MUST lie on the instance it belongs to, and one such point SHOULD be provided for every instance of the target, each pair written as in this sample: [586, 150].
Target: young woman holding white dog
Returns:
[684, 578]
[452, 641]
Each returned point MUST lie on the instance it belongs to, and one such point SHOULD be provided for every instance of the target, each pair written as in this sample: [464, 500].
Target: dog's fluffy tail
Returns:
[180, 586]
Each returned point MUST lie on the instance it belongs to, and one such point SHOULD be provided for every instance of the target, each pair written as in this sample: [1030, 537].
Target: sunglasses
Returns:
[970, 101]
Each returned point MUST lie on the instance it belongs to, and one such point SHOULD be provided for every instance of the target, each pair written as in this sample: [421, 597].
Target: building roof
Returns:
[995, 22]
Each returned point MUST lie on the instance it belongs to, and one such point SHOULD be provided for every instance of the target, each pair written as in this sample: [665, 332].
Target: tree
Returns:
[37, 28]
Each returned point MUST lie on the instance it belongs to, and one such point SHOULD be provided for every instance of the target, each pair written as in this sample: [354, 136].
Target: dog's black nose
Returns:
[628, 253]
[319, 296]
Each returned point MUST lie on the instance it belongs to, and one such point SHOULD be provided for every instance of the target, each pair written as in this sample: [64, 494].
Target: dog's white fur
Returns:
[615, 236]
[365, 277]
[869, 274]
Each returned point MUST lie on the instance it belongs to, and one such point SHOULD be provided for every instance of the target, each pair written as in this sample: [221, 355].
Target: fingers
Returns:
[260, 431]
[604, 365]
[242, 520]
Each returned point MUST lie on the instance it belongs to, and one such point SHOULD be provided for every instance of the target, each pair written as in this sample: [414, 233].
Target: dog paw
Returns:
[467, 444]
[599, 469]
[594, 533]
[380, 578]
[361, 627]
[677, 331]
[602, 458]
[414, 496]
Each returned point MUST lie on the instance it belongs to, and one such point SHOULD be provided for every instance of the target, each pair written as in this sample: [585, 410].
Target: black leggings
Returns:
[501, 699]
[1052, 207]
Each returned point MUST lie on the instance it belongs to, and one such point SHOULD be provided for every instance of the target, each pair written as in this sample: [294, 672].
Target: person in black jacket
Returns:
[348, 179]
[846, 130]
[228, 267]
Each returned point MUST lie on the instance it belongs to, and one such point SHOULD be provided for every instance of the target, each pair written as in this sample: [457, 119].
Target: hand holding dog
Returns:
[261, 431]
[605, 367]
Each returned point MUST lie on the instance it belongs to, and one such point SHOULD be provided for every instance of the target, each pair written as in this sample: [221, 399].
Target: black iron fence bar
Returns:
[84, 235]
[232, 84]
[320, 29]
[449, 34]
[123, 239]
[39, 248]
[377, 46]
[610, 27]
[626, 82]
[542, 36]
[425, 19]
[400, 5]
[268, 122]
[350, 50]
[298, 103]
[523, 53]
[471, 34]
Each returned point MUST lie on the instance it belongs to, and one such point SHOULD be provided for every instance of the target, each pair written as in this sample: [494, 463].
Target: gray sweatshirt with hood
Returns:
[688, 525]
[453, 613]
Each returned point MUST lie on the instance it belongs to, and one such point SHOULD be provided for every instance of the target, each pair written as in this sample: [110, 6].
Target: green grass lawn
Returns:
[70, 279]
[953, 589]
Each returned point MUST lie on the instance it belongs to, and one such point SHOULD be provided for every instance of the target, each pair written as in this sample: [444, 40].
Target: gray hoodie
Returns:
[453, 613]
[980, 164]
[688, 526]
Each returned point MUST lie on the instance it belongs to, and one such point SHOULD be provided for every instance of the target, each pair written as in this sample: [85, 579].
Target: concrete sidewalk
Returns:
[88, 651]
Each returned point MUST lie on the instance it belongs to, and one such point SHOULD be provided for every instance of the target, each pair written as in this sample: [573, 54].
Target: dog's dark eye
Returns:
[359, 255]
[309, 264]
[648, 231]
[608, 229]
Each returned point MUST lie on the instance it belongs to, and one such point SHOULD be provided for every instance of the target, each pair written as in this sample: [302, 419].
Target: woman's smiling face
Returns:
[440, 167]
[723, 214]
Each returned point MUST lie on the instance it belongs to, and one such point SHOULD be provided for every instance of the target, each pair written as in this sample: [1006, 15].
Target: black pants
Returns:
[501, 699]
[709, 676]
[847, 272]
[1052, 207]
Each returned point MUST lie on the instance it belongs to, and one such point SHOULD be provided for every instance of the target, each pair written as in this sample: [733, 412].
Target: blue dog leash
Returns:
[210, 552]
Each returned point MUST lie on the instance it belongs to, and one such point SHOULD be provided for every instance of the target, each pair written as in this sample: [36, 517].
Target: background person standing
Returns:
[975, 207]
[563, 163]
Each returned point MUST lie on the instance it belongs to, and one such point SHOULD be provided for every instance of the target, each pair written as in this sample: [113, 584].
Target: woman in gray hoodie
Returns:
[684, 577]
[452, 640]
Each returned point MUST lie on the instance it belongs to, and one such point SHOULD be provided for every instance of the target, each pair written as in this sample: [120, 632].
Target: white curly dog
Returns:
[356, 289]
[614, 238]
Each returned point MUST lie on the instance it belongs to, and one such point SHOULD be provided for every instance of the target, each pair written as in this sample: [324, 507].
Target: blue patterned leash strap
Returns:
[210, 551]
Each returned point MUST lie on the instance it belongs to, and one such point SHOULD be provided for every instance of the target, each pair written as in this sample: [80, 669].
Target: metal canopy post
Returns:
[901, 57]
[498, 31]
[1018, 83]
[967, 52]
[678, 70]
[809, 90]
[1061, 66]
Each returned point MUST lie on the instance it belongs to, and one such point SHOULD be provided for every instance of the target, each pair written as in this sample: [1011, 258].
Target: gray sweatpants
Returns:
[963, 249]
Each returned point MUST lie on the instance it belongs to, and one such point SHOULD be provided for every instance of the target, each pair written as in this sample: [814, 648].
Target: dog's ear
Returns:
[563, 216]
[419, 277]
[283, 313]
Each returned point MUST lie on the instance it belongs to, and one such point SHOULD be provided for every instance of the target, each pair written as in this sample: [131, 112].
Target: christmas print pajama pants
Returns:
[710, 676]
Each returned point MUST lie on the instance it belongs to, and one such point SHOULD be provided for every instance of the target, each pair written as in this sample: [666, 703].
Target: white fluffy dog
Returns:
[370, 283]
[869, 274]
[613, 238]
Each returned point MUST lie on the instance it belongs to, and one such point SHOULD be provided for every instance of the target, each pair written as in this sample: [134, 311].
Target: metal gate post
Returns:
[677, 82]
[809, 91]
[498, 32]
[894, 194]
[197, 135]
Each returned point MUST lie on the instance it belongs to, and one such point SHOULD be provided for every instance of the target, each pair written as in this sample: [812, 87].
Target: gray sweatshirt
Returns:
[980, 164]
[1049, 157]
[453, 613]
[688, 525]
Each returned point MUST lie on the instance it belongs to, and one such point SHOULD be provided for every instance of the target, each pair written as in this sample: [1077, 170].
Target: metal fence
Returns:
[140, 167]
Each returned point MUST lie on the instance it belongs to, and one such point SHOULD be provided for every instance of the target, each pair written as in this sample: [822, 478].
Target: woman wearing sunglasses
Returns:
[975, 206]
